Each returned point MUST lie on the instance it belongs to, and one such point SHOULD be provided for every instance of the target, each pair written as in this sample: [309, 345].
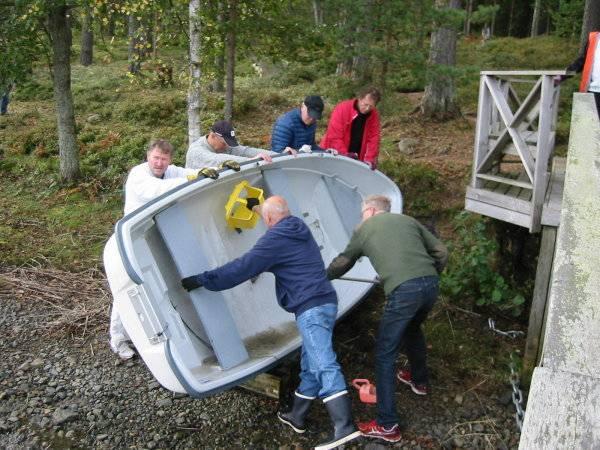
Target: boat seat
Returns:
[347, 202]
[186, 251]
[278, 184]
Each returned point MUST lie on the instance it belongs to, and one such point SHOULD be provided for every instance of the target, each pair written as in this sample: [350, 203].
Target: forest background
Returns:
[95, 81]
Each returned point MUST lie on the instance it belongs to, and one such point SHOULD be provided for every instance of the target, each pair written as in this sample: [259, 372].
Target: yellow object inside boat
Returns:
[237, 215]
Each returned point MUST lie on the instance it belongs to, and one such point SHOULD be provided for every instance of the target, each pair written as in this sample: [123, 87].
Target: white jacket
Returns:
[142, 186]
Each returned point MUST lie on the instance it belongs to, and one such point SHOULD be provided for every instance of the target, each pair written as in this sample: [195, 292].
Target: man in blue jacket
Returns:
[289, 251]
[296, 129]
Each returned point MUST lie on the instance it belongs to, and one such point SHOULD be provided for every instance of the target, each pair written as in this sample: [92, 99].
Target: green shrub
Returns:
[471, 272]
[418, 182]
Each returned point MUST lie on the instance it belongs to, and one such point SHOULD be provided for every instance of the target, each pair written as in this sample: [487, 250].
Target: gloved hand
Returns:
[209, 172]
[305, 149]
[191, 283]
[372, 164]
[352, 155]
[230, 164]
[252, 202]
[557, 79]
[333, 151]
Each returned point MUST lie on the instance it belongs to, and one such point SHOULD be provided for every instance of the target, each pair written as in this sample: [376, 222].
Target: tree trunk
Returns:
[439, 100]
[86, 56]
[217, 84]
[133, 49]
[510, 17]
[469, 13]
[230, 56]
[535, 22]
[493, 26]
[194, 95]
[318, 12]
[60, 35]
[591, 20]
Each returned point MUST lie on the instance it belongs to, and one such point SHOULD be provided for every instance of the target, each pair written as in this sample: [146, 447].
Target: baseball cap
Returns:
[315, 106]
[226, 131]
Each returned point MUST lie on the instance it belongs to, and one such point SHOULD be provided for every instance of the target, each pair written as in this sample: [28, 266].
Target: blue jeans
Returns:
[320, 374]
[406, 308]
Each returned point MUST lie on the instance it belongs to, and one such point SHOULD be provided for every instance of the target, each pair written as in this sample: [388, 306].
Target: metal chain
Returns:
[517, 393]
[511, 333]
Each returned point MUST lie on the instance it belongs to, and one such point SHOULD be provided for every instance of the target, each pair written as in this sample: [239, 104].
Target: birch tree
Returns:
[194, 94]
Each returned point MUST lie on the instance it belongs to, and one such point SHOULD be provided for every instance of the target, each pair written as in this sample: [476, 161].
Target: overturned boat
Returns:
[202, 342]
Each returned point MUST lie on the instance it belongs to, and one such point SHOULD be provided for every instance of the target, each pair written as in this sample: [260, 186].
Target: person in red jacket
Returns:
[588, 62]
[354, 128]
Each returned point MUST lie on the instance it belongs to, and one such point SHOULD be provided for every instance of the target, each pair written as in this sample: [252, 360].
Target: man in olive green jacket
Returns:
[408, 260]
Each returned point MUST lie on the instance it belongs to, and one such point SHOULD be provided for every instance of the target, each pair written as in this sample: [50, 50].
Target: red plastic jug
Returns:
[366, 390]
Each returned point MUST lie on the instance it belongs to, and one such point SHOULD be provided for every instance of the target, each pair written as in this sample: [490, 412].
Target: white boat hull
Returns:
[200, 343]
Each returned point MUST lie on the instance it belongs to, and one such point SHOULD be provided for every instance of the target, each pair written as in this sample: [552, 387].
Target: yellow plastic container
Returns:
[236, 213]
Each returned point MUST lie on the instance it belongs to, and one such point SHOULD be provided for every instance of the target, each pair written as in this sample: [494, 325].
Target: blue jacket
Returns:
[289, 251]
[290, 131]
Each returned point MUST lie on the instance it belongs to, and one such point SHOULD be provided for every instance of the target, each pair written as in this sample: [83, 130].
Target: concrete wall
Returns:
[563, 411]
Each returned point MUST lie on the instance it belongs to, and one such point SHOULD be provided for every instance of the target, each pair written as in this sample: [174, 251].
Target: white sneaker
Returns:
[123, 350]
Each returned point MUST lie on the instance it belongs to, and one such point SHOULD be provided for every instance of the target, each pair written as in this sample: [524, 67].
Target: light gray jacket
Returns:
[200, 154]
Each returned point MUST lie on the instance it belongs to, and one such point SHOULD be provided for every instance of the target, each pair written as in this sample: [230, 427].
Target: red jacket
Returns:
[589, 61]
[338, 131]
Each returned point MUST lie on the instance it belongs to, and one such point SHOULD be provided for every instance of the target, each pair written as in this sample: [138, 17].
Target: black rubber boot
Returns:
[295, 417]
[339, 409]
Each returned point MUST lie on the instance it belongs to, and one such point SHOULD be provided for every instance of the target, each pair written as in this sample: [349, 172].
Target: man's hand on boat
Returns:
[251, 202]
[230, 164]
[190, 283]
[209, 172]
[290, 150]
[265, 156]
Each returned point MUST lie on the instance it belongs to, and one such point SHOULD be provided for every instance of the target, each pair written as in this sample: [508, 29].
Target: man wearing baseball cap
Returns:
[296, 128]
[220, 148]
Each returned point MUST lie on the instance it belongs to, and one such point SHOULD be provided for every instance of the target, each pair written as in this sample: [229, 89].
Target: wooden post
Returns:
[537, 315]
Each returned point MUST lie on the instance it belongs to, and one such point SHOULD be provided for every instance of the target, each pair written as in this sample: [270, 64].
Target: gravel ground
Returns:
[59, 391]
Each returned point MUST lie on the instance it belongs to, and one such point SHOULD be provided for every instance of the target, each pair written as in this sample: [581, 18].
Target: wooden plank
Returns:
[499, 179]
[507, 117]
[484, 108]
[264, 384]
[539, 303]
[554, 193]
[502, 201]
[523, 72]
[527, 104]
[496, 212]
[540, 183]
[563, 412]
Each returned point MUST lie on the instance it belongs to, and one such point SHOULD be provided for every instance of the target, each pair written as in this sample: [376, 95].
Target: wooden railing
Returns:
[514, 142]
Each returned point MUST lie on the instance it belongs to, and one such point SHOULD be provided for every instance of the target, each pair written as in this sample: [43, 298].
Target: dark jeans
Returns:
[4, 103]
[406, 308]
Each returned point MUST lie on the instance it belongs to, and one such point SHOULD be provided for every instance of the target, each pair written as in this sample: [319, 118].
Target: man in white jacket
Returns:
[145, 182]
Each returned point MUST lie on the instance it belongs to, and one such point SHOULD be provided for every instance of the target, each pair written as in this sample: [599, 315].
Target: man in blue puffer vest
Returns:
[296, 128]
[289, 251]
